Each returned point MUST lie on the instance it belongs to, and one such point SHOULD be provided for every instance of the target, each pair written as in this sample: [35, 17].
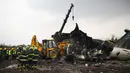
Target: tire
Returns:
[53, 54]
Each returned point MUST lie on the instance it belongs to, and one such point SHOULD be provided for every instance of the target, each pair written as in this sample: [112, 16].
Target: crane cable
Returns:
[73, 14]
[72, 1]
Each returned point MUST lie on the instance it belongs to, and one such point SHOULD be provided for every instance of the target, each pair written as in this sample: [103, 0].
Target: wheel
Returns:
[53, 54]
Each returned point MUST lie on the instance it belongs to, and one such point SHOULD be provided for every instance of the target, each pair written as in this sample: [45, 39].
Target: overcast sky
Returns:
[21, 19]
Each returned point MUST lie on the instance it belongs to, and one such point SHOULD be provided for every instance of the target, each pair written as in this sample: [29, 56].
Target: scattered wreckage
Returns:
[80, 44]
[83, 47]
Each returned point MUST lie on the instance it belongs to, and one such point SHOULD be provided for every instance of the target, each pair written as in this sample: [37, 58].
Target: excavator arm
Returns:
[34, 42]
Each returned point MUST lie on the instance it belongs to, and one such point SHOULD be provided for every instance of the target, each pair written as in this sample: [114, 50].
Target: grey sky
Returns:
[21, 19]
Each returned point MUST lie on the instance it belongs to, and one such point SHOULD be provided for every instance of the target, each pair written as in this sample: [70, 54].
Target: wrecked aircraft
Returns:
[82, 46]
[122, 47]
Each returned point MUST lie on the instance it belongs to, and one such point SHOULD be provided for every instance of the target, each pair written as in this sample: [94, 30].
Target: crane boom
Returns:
[65, 20]
[59, 36]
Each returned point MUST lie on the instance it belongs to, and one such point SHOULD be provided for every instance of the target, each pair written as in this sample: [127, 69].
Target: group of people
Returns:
[7, 53]
[28, 57]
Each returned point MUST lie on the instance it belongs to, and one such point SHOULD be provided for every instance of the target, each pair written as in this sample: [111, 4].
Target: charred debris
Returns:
[83, 46]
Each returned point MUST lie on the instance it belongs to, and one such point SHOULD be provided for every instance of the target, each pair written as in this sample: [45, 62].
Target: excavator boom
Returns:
[34, 42]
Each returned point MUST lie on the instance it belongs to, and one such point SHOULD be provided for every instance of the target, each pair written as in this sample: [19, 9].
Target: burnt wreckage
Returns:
[83, 46]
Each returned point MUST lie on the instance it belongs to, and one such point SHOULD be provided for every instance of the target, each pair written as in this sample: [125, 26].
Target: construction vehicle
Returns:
[49, 48]
[52, 50]
[59, 36]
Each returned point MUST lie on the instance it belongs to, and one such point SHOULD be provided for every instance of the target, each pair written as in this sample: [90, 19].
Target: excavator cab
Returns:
[50, 49]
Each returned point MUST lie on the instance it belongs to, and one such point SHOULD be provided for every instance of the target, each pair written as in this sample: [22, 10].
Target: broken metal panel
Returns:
[124, 38]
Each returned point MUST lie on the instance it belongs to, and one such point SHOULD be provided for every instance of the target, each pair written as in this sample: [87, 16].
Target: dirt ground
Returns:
[53, 66]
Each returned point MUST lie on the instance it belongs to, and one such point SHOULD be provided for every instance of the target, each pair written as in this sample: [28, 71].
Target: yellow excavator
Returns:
[48, 47]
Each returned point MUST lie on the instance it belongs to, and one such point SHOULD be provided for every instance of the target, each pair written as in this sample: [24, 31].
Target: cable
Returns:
[73, 10]
[73, 14]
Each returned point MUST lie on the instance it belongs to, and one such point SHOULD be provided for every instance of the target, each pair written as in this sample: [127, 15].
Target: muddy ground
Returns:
[53, 66]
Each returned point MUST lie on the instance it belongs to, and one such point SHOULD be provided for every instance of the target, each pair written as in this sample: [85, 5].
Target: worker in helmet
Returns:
[30, 57]
[22, 58]
[13, 53]
[36, 57]
[19, 50]
[8, 53]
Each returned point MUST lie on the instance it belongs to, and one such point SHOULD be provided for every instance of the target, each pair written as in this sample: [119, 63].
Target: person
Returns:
[30, 57]
[5, 53]
[8, 53]
[22, 59]
[13, 53]
[1, 53]
[35, 57]
[18, 51]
